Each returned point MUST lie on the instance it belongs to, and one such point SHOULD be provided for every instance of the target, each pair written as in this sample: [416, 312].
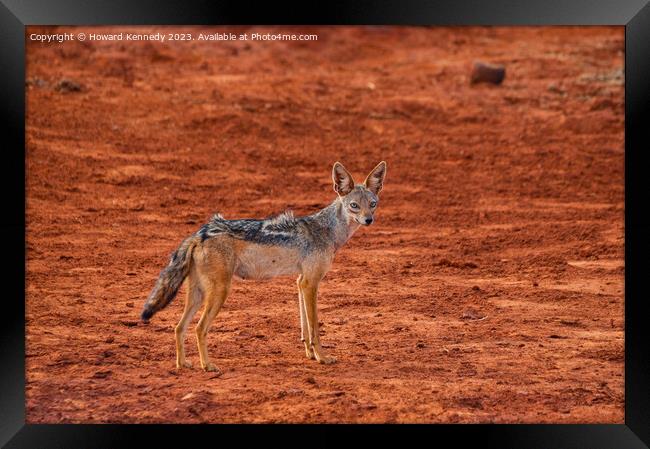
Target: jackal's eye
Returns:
[354, 205]
[373, 203]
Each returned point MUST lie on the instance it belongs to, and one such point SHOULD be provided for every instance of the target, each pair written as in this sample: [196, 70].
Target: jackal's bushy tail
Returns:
[170, 279]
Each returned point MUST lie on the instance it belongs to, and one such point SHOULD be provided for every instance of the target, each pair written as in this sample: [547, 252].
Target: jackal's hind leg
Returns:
[192, 304]
[214, 298]
[304, 328]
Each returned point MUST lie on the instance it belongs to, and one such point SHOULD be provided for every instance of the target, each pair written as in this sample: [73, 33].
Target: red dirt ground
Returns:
[490, 288]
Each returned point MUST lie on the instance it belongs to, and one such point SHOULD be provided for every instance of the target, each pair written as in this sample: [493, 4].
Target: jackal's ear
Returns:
[343, 182]
[375, 180]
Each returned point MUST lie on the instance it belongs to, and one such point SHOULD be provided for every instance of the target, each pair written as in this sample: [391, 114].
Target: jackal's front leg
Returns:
[304, 327]
[309, 289]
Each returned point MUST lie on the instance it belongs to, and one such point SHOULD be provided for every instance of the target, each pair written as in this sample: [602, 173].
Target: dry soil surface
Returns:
[490, 288]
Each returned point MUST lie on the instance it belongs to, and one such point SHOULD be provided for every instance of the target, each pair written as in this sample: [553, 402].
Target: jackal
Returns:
[262, 249]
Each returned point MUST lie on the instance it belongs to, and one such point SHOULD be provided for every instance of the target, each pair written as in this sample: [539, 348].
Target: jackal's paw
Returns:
[211, 367]
[183, 364]
[326, 359]
[309, 353]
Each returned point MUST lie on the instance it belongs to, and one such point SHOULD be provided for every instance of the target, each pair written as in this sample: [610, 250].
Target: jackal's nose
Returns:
[368, 221]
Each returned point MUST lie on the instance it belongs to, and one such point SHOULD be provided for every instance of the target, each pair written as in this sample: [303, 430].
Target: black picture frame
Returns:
[633, 14]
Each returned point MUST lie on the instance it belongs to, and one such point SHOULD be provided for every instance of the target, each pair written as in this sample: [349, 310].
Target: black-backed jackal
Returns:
[262, 249]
